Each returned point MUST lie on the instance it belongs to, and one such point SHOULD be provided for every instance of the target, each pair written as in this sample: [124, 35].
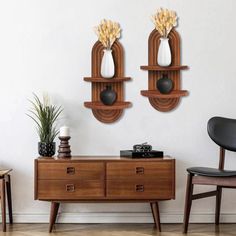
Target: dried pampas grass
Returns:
[164, 20]
[107, 32]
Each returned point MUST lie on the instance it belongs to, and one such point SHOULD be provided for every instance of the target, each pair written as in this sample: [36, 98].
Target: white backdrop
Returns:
[45, 45]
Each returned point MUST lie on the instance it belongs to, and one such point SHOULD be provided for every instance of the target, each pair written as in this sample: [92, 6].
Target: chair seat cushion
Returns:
[211, 172]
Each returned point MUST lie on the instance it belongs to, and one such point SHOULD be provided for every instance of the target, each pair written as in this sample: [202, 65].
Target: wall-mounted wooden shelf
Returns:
[157, 94]
[105, 113]
[160, 68]
[101, 106]
[102, 80]
[164, 102]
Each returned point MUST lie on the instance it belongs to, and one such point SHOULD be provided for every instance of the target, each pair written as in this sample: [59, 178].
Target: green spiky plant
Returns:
[45, 116]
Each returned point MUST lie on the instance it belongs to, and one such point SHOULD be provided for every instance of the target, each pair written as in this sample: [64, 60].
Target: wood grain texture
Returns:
[105, 108]
[160, 68]
[9, 198]
[70, 170]
[103, 80]
[155, 72]
[114, 229]
[156, 215]
[157, 94]
[5, 191]
[104, 158]
[70, 189]
[3, 203]
[103, 113]
[103, 179]
[219, 181]
[137, 188]
[139, 170]
[53, 214]
[188, 202]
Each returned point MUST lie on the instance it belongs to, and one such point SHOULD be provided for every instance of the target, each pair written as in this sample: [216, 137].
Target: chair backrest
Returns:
[223, 132]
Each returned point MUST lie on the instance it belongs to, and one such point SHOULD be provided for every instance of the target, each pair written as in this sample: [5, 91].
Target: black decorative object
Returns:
[133, 154]
[46, 149]
[108, 96]
[143, 147]
[143, 150]
[164, 84]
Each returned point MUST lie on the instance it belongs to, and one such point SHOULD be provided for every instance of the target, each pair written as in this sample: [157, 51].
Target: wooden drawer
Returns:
[83, 170]
[70, 189]
[141, 170]
[131, 189]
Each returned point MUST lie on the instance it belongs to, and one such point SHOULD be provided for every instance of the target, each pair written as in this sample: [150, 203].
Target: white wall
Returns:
[45, 45]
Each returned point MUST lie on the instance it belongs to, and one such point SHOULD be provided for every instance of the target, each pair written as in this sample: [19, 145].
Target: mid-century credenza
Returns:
[104, 179]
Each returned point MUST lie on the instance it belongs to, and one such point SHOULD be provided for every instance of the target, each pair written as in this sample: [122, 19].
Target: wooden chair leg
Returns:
[53, 214]
[218, 204]
[9, 199]
[188, 202]
[3, 203]
[156, 215]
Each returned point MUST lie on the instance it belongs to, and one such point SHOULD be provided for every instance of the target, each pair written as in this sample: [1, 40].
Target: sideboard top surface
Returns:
[100, 158]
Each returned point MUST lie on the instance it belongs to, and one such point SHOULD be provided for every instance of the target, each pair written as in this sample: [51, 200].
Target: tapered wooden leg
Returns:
[218, 204]
[188, 202]
[3, 203]
[156, 215]
[53, 214]
[9, 199]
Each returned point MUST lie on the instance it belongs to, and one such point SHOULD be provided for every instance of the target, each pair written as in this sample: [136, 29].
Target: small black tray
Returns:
[133, 154]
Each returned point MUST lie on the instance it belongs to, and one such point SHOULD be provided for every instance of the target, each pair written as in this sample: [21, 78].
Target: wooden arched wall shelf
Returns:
[164, 102]
[104, 113]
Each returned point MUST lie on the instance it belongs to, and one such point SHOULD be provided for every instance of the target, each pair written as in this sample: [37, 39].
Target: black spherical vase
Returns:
[165, 84]
[46, 149]
[108, 96]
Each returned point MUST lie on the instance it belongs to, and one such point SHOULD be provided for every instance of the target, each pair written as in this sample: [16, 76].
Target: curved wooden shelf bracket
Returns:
[159, 102]
[103, 113]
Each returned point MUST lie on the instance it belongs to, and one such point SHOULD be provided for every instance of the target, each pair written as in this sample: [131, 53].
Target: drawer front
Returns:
[140, 170]
[70, 190]
[131, 189]
[56, 171]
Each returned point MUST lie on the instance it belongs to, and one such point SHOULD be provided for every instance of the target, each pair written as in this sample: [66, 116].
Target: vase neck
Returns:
[108, 87]
[164, 39]
[107, 50]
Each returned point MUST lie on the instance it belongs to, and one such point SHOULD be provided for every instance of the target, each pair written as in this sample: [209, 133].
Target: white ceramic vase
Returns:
[164, 53]
[107, 65]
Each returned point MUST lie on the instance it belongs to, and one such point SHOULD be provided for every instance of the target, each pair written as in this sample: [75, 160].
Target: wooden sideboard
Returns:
[104, 179]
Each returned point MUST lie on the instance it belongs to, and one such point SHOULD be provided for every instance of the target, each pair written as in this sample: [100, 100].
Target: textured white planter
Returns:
[164, 53]
[107, 65]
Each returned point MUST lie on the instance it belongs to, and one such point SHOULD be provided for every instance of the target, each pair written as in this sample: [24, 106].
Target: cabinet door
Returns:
[141, 180]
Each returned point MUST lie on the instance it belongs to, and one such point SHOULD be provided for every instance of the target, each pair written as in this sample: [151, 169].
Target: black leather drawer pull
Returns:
[70, 170]
[70, 188]
[139, 188]
[139, 170]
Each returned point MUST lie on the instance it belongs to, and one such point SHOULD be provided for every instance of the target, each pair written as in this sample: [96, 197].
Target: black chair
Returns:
[223, 132]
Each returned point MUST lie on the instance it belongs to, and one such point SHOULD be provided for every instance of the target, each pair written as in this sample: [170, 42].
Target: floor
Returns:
[118, 230]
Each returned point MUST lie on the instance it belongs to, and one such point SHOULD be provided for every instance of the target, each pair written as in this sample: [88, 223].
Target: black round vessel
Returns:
[108, 96]
[164, 84]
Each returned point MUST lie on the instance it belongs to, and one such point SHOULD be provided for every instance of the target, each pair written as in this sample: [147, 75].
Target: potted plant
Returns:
[45, 116]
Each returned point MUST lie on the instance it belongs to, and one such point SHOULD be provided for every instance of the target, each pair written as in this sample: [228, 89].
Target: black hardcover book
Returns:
[133, 154]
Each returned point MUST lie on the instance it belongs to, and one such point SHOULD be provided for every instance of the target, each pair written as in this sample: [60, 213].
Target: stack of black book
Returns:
[143, 150]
